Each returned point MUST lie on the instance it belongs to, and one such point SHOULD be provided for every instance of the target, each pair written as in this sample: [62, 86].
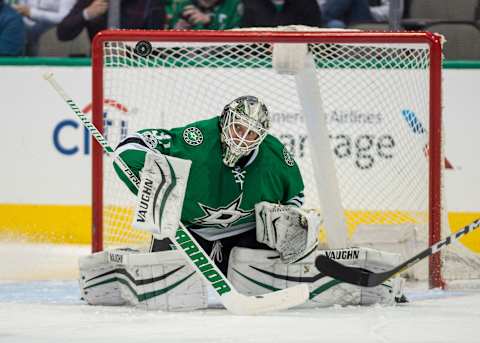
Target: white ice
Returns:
[51, 311]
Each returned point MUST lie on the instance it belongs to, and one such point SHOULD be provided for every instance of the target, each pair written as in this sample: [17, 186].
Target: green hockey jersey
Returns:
[219, 201]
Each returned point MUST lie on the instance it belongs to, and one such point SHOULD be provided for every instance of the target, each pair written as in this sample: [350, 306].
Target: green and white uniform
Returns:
[219, 201]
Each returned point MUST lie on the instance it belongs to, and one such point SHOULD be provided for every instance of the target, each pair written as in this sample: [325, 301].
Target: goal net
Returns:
[361, 116]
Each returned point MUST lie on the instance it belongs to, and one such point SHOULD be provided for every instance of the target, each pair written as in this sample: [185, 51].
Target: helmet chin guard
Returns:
[244, 124]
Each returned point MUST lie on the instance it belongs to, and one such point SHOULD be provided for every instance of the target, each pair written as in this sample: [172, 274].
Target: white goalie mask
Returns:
[244, 124]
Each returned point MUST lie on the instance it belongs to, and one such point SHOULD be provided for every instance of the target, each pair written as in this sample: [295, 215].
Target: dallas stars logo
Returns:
[193, 136]
[223, 216]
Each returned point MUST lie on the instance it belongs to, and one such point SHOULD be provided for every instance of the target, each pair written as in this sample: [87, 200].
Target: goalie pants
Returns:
[218, 250]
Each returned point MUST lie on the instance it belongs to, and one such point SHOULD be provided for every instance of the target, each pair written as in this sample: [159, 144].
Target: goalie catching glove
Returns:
[290, 230]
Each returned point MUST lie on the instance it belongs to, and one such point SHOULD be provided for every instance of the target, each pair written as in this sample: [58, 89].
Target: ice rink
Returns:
[50, 310]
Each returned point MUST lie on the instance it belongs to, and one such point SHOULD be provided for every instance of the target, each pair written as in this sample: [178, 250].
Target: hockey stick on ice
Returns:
[367, 278]
[233, 301]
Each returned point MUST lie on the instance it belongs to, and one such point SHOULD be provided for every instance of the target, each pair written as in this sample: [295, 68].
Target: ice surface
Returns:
[51, 311]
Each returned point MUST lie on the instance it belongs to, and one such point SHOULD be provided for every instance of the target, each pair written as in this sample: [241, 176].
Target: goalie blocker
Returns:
[161, 193]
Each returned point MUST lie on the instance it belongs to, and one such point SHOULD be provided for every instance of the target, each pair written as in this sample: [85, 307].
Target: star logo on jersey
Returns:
[224, 216]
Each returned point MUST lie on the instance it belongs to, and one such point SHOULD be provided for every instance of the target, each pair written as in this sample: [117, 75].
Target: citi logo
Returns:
[115, 123]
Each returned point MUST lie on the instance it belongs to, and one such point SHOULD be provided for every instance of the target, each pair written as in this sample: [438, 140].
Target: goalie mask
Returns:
[244, 123]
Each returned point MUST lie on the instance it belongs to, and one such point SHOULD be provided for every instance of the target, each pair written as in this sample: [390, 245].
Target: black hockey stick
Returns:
[367, 278]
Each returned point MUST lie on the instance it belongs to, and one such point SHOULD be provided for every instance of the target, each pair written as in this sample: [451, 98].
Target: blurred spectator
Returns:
[341, 13]
[39, 16]
[204, 14]
[12, 31]
[263, 13]
[92, 15]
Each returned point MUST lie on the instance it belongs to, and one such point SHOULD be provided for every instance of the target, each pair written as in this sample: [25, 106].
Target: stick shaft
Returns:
[93, 130]
[366, 278]
[436, 247]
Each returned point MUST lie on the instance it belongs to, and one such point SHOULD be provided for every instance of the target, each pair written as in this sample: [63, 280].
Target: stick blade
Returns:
[240, 304]
[352, 275]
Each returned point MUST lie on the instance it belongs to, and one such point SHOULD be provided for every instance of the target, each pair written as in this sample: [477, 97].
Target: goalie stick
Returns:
[366, 278]
[233, 301]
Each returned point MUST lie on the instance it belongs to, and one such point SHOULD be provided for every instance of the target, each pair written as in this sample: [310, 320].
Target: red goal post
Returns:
[122, 81]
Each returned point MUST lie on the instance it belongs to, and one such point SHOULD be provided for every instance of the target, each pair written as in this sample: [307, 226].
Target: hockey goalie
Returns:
[239, 193]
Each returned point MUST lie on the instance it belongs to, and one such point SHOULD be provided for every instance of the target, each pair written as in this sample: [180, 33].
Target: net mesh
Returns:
[375, 98]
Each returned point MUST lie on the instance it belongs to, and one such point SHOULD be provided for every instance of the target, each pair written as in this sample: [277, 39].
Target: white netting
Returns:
[375, 96]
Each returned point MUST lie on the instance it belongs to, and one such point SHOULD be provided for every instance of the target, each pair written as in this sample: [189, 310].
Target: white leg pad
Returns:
[152, 281]
[256, 272]
[97, 267]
